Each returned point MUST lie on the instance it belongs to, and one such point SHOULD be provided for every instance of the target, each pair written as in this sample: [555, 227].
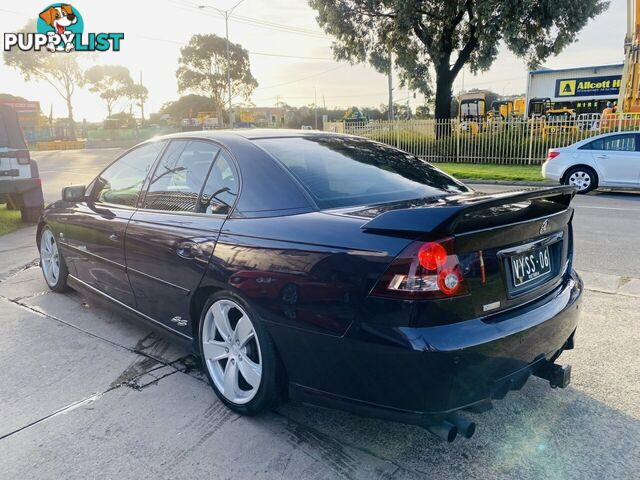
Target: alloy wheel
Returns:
[580, 179]
[49, 258]
[231, 351]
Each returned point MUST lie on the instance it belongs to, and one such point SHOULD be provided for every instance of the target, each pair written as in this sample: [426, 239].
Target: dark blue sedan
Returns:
[328, 269]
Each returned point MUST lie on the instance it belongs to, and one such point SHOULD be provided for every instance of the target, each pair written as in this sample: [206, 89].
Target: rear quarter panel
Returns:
[310, 272]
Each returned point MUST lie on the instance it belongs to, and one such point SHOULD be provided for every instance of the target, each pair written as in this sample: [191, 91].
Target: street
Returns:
[602, 219]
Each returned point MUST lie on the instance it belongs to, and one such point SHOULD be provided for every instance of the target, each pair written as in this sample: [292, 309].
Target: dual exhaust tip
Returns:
[559, 376]
[453, 426]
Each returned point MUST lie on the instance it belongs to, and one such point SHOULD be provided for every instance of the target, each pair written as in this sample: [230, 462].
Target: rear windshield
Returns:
[345, 171]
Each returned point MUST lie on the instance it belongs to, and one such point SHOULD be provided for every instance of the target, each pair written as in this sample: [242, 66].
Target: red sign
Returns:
[23, 107]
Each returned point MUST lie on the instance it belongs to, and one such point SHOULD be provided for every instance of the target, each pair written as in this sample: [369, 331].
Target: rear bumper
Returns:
[551, 172]
[416, 375]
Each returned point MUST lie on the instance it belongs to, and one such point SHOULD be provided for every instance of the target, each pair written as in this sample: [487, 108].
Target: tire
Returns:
[52, 262]
[230, 351]
[12, 203]
[585, 178]
[30, 214]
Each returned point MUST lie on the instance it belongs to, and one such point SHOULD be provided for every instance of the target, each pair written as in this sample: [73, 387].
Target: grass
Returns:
[9, 220]
[530, 173]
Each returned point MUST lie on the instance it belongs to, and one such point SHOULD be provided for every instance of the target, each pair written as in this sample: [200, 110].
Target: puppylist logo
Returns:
[60, 28]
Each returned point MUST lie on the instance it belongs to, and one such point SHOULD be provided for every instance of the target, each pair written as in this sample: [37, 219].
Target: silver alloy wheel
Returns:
[232, 351]
[49, 258]
[580, 179]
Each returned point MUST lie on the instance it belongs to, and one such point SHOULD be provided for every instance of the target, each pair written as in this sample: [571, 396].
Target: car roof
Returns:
[600, 135]
[248, 133]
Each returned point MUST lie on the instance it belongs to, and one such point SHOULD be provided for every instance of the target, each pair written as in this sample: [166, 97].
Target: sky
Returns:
[155, 31]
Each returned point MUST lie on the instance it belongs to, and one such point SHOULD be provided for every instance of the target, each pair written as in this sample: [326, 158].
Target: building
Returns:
[584, 89]
[260, 116]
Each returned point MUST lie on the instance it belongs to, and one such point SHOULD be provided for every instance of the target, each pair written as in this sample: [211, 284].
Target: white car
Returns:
[606, 160]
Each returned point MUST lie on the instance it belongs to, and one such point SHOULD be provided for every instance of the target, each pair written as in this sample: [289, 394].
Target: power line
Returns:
[175, 42]
[280, 25]
[252, 21]
[302, 78]
[326, 59]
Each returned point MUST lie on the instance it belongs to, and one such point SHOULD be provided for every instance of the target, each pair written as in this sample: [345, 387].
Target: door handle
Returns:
[114, 237]
[188, 249]
[602, 156]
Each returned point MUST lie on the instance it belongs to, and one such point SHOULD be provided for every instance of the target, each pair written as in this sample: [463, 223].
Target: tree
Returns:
[111, 82]
[423, 111]
[60, 70]
[428, 36]
[203, 69]
[186, 106]
[138, 94]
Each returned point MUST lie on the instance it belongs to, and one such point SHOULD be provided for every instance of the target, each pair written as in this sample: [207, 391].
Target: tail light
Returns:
[423, 270]
[23, 157]
[552, 154]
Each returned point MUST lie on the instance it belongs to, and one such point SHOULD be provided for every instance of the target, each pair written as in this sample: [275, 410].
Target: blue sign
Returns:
[589, 86]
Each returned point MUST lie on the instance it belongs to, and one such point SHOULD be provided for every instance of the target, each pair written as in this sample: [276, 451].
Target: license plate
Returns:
[529, 266]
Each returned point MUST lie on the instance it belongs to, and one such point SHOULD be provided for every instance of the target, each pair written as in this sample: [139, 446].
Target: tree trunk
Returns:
[219, 115]
[444, 84]
[72, 126]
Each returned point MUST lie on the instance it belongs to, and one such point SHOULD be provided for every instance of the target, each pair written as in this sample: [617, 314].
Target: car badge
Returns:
[544, 227]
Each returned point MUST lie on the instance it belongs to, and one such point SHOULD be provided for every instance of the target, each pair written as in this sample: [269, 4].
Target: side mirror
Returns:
[74, 193]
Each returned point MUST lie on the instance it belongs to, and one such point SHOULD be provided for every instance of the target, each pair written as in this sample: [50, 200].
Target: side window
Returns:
[121, 182]
[178, 179]
[620, 143]
[221, 190]
[595, 145]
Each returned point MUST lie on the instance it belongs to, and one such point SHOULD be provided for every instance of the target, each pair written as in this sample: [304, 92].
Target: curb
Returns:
[611, 284]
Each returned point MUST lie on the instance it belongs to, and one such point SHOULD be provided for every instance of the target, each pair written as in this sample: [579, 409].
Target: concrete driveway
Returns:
[87, 393]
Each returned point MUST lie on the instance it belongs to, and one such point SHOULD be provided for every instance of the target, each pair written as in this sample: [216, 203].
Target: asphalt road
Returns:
[607, 225]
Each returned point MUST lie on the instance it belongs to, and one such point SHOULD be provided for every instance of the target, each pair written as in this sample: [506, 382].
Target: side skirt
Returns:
[131, 312]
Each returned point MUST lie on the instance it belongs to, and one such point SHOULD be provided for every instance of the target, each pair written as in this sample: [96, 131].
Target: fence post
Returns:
[530, 141]
[455, 129]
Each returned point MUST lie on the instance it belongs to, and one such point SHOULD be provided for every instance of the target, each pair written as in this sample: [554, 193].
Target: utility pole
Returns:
[408, 115]
[226, 34]
[315, 104]
[390, 80]
[226, 14]
[141, 99]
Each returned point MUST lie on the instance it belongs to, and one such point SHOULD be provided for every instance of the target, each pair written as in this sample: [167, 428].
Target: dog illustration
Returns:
[59, 18]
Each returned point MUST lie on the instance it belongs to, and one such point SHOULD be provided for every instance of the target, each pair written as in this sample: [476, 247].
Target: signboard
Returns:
[23, 107]
[28, 113]
[588, 86]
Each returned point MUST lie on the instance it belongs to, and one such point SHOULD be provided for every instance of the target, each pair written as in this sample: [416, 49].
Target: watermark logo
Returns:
[60, 28]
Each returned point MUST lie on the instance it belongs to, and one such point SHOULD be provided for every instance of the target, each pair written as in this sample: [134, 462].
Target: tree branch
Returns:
[471, 44]
[369, 13]
[421, 32]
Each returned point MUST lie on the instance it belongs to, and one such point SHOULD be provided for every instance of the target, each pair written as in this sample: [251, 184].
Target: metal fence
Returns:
[497, 141]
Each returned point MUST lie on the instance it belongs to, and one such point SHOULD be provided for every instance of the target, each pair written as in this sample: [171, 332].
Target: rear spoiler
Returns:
[465, 212]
